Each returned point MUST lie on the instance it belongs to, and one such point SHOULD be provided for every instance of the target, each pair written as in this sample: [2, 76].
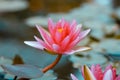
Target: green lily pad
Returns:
[23, 71]
[49, 75]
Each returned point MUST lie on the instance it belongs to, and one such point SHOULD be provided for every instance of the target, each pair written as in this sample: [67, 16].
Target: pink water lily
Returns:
[61, 38]
[96, 73]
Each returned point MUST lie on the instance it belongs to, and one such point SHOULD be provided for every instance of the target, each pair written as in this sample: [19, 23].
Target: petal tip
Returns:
[73, 77]
[50, 20]
[88, 30]
[88, 75]
[36, 25]
[25, 42]
[35, 36]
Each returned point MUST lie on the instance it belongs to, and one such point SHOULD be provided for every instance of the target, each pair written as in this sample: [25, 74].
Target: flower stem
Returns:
[53, 64]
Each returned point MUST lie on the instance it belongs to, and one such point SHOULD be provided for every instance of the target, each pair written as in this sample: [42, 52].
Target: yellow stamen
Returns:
[60, 30]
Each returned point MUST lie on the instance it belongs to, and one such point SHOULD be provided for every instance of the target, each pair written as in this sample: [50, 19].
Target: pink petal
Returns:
[75, 33]
[73, 25]
[113, 70]
[65, 31]
[55, 47]
[39, 28]
[78, 49]
[51, 25]
[65, 42]
[78, 27]
[73, 77]
[72, 44]
[84, 34]
[62, 23]
[114, 73]
[57, 37]
[39, 40]
[107, 68]
[45, 35]
[82, 71]
[93, 68]
[80, 37]
[48, 47]
[97, 72]
[34, 44]
[108, 75]
[118, 78]
[58, 24]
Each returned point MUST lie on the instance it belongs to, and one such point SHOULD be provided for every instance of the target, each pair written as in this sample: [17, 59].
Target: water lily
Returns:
[96, 73]
[61, 39]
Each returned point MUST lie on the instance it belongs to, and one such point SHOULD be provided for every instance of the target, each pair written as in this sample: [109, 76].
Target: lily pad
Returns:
[49, 75]
[24, 71]
[93, 57]
[110, 48]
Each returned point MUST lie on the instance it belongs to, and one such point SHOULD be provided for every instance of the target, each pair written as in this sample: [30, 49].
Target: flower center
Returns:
[60, 30]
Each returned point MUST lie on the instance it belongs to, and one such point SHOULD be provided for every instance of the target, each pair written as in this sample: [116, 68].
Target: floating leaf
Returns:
[87, 59]
[109, 46]
[23, 71]
[23, 79]
[49, 75]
